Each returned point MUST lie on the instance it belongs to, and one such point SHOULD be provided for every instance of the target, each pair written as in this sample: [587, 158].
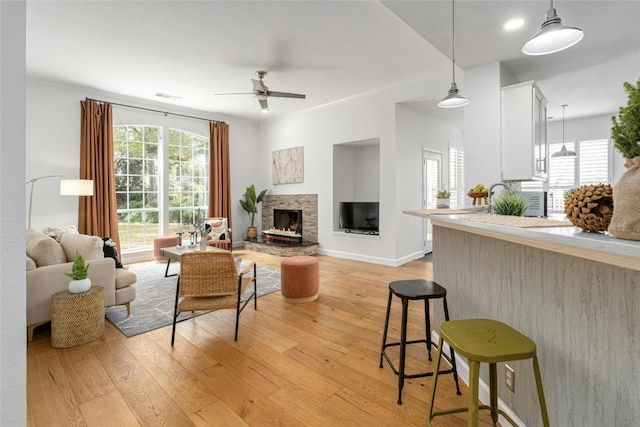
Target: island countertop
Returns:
[567, 240]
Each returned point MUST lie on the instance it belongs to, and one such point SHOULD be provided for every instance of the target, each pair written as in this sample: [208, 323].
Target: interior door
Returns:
[431, 183]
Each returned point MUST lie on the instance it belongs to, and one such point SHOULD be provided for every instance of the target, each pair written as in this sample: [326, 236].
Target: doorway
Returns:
[431, 183]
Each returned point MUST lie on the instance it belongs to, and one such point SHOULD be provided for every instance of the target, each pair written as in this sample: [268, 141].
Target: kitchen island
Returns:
[576, 294]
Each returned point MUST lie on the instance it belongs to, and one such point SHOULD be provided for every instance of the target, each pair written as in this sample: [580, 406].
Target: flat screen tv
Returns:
[361, 216]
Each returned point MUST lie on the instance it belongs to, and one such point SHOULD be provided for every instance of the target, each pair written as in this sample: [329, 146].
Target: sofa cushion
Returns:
[125, 278]
[43, 249]
[216, 228]
[90, 247]
[31, 264]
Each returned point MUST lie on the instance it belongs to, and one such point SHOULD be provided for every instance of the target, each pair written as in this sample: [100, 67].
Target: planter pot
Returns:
[625, 223]
[252, 233]
[79, 286]
[442, 203]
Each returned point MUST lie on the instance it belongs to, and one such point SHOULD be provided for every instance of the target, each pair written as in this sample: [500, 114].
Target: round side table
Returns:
[77, 319]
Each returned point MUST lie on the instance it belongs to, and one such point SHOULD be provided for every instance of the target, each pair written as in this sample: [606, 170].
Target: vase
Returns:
[252, 233]
[79, 286]
[203, 244]
[625, 223]
[442, 203]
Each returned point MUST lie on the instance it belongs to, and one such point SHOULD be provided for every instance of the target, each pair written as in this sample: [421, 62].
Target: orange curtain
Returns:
[219, 172]
[97, 215]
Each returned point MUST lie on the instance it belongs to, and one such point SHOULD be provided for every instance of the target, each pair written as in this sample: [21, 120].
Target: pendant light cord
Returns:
[453, 18]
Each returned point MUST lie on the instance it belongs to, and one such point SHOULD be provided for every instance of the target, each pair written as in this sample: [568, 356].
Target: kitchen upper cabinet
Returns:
[524, 132]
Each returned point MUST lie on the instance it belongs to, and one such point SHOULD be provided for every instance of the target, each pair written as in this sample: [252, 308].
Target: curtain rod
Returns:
[152, 110]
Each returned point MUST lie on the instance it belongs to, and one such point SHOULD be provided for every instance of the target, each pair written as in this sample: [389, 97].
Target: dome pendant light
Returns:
[553, 36]
[563, 151]
[454, 99]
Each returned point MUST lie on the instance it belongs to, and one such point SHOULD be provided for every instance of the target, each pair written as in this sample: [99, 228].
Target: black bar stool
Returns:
[415, 289]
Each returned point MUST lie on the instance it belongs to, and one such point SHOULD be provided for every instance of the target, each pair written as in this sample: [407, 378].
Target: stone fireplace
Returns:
[296, 216]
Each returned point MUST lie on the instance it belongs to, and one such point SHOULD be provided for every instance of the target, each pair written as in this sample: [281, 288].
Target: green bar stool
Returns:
[489, 341]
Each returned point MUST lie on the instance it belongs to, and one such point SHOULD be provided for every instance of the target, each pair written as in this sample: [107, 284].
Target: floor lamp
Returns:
[69, 186]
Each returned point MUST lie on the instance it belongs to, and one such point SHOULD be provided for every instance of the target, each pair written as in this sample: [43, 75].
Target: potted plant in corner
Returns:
[79, 280]
[442, 199]
[625, 222]
[250, 205]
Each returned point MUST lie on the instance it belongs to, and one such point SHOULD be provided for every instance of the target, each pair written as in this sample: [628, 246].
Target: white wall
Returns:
[13, 370]
[370, 116]
[416, 131]
[53, 146]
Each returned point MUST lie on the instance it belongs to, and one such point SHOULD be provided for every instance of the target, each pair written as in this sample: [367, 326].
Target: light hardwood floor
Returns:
[314, 364]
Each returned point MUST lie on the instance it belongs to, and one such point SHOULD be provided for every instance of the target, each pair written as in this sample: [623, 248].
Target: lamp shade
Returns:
[552, 37]
[76, 187]
[564, 153]
[453, 99]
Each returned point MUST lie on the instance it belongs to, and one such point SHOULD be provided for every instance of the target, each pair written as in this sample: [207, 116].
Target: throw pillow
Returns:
[218, 228]
[89, 246]
[56, 232]
[111, 251]
[43, 249]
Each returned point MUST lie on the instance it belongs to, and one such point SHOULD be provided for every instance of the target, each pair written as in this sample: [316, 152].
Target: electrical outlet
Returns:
[510, 378]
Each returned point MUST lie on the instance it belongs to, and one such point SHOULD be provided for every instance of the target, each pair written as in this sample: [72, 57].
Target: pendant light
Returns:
[553, 36]
[563, 151]
[453, 99]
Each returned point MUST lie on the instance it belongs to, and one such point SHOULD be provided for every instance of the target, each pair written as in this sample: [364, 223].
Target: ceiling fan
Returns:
[261, 92]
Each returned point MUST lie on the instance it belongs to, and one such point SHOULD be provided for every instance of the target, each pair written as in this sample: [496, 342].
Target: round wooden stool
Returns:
[415, 289]
[299, 279]
[77, 318]
[488, 341]
[163, 242]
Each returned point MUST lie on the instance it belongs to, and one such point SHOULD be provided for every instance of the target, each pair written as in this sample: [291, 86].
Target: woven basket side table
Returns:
[77, 319]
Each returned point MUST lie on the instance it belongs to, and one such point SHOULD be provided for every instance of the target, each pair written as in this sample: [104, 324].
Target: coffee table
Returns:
[173, 253]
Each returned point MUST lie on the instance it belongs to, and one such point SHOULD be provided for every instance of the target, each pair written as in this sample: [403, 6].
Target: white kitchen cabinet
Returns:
[524, 132]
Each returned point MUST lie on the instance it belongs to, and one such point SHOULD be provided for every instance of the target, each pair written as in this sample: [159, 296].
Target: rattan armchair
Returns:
[209, 280]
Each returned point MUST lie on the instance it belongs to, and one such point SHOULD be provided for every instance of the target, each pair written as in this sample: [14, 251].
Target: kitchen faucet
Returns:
[506, 186]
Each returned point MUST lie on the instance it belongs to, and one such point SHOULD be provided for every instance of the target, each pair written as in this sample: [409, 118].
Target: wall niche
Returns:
[356, 174]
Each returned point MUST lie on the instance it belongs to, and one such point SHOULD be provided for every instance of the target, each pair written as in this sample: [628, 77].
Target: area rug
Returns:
[156, 295]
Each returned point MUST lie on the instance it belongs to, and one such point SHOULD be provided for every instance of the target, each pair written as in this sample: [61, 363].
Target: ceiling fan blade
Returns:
[263, 104]
[286, 95]
[259, 86]
[237, 93]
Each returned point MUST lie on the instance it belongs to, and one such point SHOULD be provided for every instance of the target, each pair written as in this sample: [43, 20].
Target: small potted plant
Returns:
[509, 203]
[442, 199]
[79, 280]
[625, 222]
[250, 205]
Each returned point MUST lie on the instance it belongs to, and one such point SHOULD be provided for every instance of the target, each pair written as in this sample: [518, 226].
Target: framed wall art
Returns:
[288, 166]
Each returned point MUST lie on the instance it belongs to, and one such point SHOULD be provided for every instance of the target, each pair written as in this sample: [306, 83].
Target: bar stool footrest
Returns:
[465, 409]
[421, 375]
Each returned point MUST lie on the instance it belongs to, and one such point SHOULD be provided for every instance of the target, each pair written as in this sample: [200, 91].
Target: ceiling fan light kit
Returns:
[453, 98]
[553, 36]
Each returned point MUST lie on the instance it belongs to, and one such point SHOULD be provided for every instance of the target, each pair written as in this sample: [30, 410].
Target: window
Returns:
[136, 174]
[456, 178]
[188, 178]
[140, 190]
[592, 166]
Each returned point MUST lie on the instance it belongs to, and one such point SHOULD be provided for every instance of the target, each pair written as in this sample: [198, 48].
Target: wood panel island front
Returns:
[576, 294]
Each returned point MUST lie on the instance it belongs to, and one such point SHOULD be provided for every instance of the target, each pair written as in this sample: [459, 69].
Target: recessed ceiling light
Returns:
[513, 24]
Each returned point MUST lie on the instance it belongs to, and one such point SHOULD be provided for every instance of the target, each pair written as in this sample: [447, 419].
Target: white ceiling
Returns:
[328, 50]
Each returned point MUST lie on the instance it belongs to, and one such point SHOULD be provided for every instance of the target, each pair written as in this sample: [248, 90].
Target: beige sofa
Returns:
[49, 258]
